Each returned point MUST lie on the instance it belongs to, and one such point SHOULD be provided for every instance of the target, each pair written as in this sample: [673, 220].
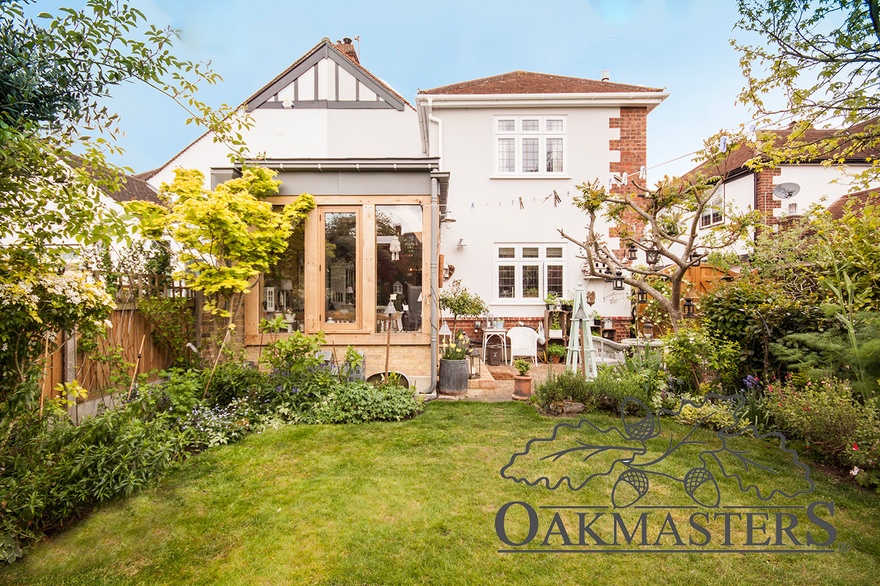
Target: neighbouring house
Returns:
[784, 192]
[362, 269]
[516, 145]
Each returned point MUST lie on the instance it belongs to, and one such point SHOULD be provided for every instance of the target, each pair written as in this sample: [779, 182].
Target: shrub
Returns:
[641, 376]
[173, 326]
[835, 427]
[52, 471]
[233, 380]
[567, 386]
[698, 360]
[360, 402]
[697, 410]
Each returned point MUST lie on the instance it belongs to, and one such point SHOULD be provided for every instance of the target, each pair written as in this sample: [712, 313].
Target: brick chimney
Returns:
[346, 48]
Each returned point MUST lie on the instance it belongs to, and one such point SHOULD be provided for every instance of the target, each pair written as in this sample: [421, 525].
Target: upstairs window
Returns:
[713, 213]
[530, 146]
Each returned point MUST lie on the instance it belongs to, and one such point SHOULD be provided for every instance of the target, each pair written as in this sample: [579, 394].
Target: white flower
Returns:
[854, 471]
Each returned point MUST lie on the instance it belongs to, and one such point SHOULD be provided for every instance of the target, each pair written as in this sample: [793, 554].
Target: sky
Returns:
[681, 46]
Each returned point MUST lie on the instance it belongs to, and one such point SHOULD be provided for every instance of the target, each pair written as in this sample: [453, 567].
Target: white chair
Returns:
[523, 342]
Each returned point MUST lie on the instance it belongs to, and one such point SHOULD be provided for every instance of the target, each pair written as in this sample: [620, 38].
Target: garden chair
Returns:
[523, 343]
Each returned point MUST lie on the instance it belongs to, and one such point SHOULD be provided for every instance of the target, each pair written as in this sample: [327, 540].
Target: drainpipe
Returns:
[435, 225]
[429, 112]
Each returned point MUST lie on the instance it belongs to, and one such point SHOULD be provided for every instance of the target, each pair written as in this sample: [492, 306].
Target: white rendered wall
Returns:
[820, 185]
[487, 209]
[310, 134]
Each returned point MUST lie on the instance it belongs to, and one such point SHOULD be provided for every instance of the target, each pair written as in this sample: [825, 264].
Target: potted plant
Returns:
[453, 379]
[556, 352]
[555, 329]
[522, 382]
[566, 304]
[551, 300]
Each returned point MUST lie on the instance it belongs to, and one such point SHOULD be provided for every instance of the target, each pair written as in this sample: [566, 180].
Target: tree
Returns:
[663, 222]
[460, 302]
[228, 237]
[824, 58]
[53, 78]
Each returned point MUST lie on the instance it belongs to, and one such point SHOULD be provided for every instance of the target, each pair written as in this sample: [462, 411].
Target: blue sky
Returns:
[680, 45]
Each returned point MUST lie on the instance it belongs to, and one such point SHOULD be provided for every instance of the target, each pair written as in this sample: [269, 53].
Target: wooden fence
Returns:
[129, 335]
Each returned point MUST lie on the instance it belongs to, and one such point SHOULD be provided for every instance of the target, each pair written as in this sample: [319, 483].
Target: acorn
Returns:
[631, 486]
[640, 430]
[700, 485]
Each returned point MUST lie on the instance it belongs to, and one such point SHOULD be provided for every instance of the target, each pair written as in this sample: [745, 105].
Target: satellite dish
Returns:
[786, 190]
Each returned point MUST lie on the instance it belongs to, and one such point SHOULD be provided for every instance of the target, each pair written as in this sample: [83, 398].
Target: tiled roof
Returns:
[527, 82]
[134, 189]
[737, 159]
[859, 200]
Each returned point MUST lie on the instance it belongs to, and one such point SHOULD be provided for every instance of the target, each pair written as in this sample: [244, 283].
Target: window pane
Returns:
[530, 155]
[554, 126]
[554, 280]
[340, 275]
[554, 155]
[530, 252]
[506, 125]
[399, 267]
[507, 252]
[506, 282]
[284, 284]
[531, 281]
[530, 125]
[506, 155]
[554, 252]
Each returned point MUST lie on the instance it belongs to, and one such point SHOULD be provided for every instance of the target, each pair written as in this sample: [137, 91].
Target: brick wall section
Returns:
[621, 327]
[764, 194]
[633, 148]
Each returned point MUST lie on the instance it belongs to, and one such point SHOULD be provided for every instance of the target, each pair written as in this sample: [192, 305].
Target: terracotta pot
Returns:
[522, 387]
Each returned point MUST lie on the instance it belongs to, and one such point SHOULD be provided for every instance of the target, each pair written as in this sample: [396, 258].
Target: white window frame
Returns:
[713, 213]
[518, 134]
[518, 262]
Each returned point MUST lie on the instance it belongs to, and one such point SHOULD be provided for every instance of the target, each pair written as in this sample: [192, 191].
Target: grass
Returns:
[403, 503]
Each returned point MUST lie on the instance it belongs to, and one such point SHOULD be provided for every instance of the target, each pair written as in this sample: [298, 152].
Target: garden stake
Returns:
[137, 365]
[388, 346]
[216, 360]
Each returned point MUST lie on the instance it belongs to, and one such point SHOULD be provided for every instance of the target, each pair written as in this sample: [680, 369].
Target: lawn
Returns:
[416, 503]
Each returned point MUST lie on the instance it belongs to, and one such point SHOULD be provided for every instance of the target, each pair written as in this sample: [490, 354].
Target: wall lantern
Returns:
[446, 217]
[632, 253]
[618, 281]
[688, 307]
[652, 256]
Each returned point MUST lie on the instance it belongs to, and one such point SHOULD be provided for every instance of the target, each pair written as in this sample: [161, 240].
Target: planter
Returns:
[554, 334]
[453, 377]
[522, 387]
[566, 307]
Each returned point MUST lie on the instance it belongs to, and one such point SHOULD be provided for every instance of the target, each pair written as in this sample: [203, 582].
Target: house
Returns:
[516, 145]
[364, 262]
[782, 192]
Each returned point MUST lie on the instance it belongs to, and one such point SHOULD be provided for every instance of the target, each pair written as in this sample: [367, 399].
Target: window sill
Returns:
[531, 176]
